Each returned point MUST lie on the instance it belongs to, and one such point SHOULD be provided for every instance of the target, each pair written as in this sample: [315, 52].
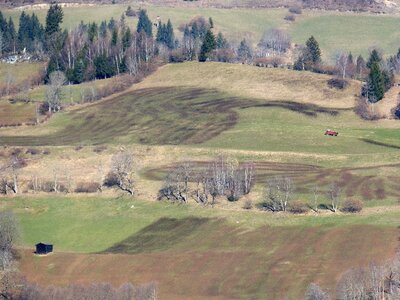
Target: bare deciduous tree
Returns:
[54, 92]
[315, 193]
[275, 41]
[314, 292]
[123, 166]
[176, 186]
[8, 236]
[278, 193]
[334, 194]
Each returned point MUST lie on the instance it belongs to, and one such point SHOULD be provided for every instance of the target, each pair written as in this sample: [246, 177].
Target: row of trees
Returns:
[279, 196]
[374, 282]
[222, 177]
[121, 175]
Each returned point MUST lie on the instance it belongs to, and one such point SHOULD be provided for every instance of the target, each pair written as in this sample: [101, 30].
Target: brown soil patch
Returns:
[216, 261]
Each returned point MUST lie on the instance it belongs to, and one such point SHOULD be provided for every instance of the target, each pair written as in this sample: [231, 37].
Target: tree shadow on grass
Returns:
[158, 116]
[160, 235]
[369, 141]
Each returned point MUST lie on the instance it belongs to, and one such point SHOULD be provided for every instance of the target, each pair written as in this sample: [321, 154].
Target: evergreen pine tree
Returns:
[169, 35]
[23, 30]
[114, 38]
[313, 53]
[79, 72]
[103, 29]
[209, 44]
[222, 43]
[54, 19]
[92, 32]
[12, 36]
[126, 38]
[244, 51]
[376, 83]
[112, 24]
[159, 33]
[375, 57]
[195, 31]
[144, 23]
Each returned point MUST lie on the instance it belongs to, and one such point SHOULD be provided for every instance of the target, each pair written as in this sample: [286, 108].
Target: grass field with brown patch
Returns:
[192, 256]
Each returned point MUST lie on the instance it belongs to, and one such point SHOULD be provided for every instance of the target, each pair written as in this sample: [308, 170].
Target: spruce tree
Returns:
[244, 51]
[79, 72]
[114, 37]
[209, 44]
[144, 23]
[126, 38]
[313, 53]
[376, 83]
[54, 19]
[12, 36]
[375, 57]
[169, 38]
[222, 43]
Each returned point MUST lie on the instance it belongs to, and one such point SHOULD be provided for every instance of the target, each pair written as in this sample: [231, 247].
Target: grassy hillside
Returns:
[195, 253]
[243, 107]
[333, 30]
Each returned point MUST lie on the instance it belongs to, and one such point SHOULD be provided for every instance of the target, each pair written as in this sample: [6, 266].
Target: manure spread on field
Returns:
[158, 116]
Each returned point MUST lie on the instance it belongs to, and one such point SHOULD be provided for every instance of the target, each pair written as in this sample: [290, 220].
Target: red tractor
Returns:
[331, 132]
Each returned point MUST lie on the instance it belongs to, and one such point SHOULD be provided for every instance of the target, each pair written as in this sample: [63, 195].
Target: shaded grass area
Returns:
[156, 116]
[197, 253]
[94, 224]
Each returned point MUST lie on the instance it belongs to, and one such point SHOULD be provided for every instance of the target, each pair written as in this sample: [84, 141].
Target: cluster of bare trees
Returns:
[279, 196]
[17, 288]
[9, 174]
[374, 282]
[279, 192]
[54, 92]
[274, 42]
[8, 236]
[222, 177]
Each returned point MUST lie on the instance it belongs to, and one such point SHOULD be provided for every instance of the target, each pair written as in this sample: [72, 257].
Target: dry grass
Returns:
[251, 82]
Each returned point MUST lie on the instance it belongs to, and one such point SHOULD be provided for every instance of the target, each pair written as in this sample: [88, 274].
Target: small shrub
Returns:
[111, 180]
[44, 108]
[32, 151]
[99, 149]
[233, 198]
[290, 18]
[176, 56]
[16, 151]
[298, 207]
[248, 204]
[337, 83]
[87, 187]
[396, 112]
[295, 10]
[352, 205]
